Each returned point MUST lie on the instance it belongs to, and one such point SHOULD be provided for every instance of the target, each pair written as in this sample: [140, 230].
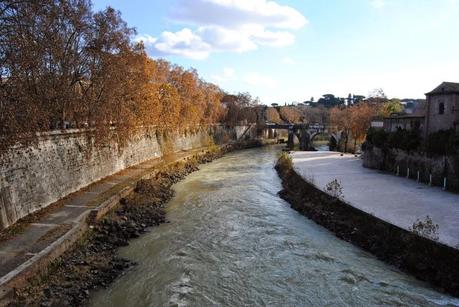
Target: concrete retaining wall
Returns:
[426, 259]
[61, 163]
[439, 166]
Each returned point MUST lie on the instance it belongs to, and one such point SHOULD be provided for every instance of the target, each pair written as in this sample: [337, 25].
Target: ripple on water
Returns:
[233, 242]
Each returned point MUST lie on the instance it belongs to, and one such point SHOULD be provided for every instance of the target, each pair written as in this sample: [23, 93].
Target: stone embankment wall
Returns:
[426, 259]
[61, 163]
[439, 167]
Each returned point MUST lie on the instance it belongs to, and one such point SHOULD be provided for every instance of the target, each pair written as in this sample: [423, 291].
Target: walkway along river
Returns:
[232, 241]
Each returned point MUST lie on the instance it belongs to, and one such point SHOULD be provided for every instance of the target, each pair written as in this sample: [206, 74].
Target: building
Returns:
[377, 122]
[411, 105]
[407, 121]
[442, 112]
[404, 121]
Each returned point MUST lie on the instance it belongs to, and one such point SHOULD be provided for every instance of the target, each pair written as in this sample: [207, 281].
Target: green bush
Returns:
[400, 139]
[443, 142]
[405, 139]
[377, 137]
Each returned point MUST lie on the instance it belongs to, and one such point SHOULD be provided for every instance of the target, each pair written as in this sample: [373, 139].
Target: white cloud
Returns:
[257, 79]
[226, 25]
[228, 74]
[233, 13]
[378, 4]
[288, 61]
[224, 39]
[182, 43]
[274, 39]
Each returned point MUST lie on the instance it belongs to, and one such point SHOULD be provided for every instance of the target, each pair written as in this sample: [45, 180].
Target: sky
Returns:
[292, 50]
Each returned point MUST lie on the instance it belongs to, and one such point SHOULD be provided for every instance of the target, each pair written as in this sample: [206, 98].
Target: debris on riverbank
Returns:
[426, 259]
[93, 263]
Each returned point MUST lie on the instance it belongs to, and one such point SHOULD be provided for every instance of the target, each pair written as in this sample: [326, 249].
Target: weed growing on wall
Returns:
[335, 189]
[425, 228]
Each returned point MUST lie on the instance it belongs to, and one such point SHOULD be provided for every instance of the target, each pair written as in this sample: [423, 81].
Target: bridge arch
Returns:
[303, 133]
[330, 138]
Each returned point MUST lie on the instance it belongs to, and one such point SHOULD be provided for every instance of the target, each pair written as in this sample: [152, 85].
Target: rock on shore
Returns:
[93, 262]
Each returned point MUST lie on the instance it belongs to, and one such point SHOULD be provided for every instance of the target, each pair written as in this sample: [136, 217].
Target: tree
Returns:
[341, 120]
[246, 100]
[44, 59]
[63, 65]
[391, 106]
[318, 114]
[358, 99]
[329, 101]
[273, 116]
[361, 115]
[377, 96]
[350, 99]
[290, 114]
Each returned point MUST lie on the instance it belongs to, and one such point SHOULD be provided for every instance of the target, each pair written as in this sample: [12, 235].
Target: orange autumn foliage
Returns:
[64, 66]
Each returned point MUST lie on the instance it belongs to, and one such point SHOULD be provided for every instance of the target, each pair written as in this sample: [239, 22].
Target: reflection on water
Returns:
[321, 147]
[232, 241]
[321, 144]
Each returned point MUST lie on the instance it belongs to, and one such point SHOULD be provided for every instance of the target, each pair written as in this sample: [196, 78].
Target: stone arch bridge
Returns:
[305, 133]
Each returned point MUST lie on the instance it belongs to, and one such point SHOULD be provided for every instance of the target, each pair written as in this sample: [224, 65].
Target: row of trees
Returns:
[352, 121]
[329, 100]
[355, 120]
[242, 108]
[297, 114]
[63, 65]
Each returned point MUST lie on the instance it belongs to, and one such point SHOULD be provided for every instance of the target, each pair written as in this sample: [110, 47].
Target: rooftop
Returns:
[446, 88]
[404, 116]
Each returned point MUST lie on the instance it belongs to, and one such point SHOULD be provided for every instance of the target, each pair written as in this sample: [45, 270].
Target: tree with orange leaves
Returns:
[64, 66]
[361, 115]
[341, 120]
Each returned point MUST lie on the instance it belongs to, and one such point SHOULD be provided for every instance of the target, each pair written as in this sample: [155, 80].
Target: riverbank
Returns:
[426, 259]
[90, 262]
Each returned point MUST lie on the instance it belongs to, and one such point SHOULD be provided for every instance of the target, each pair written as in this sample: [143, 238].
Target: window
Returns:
[441, 108]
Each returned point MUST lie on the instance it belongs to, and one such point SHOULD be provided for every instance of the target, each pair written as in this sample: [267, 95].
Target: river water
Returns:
[232, 241]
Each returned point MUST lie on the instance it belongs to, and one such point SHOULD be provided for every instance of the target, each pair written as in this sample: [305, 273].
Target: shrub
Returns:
[400, 139]
[425, 228]
[335, 188]
[377, 137]
[285, 161]
[443, 142]
[404, 139]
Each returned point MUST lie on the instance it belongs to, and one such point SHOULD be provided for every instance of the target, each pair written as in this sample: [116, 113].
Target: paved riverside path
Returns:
[49, 226]
[397, 200]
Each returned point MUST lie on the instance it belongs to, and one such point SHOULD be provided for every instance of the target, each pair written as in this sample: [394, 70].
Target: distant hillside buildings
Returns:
[440, 112]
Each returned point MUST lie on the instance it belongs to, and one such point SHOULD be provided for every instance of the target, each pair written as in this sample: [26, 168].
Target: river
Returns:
[232, 241]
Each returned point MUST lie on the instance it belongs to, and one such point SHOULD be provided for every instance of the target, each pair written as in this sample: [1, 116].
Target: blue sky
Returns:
[291, 50]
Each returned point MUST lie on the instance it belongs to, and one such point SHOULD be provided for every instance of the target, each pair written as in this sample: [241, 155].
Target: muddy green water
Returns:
[232, 241]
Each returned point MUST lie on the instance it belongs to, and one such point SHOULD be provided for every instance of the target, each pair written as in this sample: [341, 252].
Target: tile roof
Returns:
[446, 88]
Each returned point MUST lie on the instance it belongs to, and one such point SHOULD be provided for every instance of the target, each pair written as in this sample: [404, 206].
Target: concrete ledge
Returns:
[40, 261]
[98, 213]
